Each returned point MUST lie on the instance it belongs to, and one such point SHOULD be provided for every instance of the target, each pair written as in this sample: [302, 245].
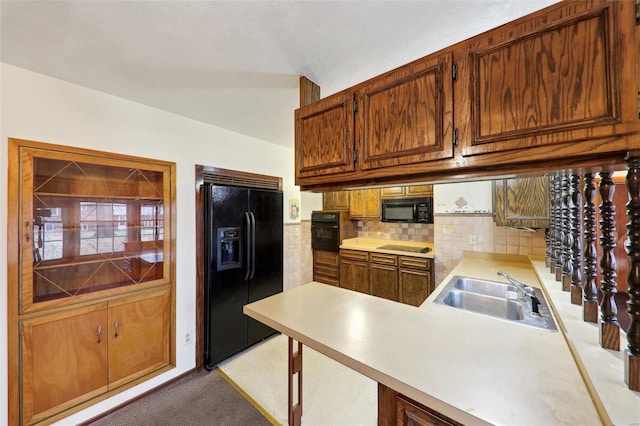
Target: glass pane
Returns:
[95, 227]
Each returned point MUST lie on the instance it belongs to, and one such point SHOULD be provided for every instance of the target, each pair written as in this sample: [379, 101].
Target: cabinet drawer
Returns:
[326, 280]
[384, 259]
[414, 262]
[362, 256]
[326, 271]
[326, 258]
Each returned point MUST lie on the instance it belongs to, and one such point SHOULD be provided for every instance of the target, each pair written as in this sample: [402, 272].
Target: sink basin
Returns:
[493, 306]
[489, 298]
[488, 288]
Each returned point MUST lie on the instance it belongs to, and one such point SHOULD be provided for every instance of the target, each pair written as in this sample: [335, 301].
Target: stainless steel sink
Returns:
[493, 306]
[489, 298]
[488, 288]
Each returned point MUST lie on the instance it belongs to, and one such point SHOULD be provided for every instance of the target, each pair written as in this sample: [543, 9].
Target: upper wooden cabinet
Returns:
[406, 115]
[365, 204]
[413, 191]
[556, 77]
[324, 136]
[557, 88]
[522, 203]
[336, 200]
[402, 117]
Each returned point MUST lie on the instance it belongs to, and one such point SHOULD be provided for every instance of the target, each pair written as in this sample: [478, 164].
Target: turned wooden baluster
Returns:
[609, 327]
[550, 261]
[564, 248]
[559, 249]
[590, 302]
[576, 248]
[632, 353]
[567, 242]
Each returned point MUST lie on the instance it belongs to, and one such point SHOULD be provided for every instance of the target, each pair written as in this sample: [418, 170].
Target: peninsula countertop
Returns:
[471, 368]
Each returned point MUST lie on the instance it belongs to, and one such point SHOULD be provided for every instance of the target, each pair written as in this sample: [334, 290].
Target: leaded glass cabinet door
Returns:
[90, 227]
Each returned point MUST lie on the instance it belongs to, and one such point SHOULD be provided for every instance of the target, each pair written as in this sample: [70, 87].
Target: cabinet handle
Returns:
[99, 334]
[115, 324]
[27, 224]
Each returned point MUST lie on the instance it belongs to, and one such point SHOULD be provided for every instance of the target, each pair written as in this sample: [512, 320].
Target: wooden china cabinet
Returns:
[91, 268]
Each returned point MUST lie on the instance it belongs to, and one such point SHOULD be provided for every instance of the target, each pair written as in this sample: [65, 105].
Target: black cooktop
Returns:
[405, 248]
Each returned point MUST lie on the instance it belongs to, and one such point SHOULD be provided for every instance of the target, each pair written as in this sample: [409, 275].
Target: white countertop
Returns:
[471, 368]
[374, 244]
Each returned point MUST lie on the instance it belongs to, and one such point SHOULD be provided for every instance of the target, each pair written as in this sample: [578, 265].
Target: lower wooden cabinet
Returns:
[405, 279]
[354, 270]
[415, 279]
[73, 356]
[383, 275]
[326, 267]
[395, 409]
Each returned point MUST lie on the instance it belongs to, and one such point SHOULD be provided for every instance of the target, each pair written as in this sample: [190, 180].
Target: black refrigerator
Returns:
[243, 253]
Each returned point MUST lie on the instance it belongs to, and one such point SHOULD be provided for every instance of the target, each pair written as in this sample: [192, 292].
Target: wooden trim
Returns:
[309, 91]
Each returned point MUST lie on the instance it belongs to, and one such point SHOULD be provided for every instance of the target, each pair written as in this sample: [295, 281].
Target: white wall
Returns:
[40, 108]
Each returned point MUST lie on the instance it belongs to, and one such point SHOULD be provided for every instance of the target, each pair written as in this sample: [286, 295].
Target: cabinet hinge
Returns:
[637, 12]
[454, 72]
[455, 138]
[355, 155]
[355, 107]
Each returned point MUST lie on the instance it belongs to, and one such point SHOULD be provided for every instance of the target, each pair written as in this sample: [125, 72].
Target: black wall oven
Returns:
[325, 230]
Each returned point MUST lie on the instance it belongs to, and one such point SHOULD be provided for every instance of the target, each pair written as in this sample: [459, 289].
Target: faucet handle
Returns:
[534, 302]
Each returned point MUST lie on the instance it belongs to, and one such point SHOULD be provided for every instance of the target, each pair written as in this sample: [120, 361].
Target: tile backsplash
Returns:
[455, 233]
[395, 231]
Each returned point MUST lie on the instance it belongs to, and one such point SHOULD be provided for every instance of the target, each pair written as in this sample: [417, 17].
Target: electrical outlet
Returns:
[187, 337]
[473, 239]
[296, 232]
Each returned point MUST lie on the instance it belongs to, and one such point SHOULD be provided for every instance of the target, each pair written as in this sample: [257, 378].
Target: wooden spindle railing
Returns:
[609, 327]
[576, 248]
[550, 259]
[567, 243]
[565, 248]
[559, 229]
[590, 299]
[632, 353]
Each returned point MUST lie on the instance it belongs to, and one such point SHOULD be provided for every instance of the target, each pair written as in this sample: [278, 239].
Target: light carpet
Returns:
[333, 395]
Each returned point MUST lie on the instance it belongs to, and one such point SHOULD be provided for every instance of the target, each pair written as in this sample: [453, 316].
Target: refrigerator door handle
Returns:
[253, 245]
[247, 222]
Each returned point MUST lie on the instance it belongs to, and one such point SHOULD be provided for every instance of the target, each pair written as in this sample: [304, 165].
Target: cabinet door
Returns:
[406, 115]
[365, 204]
[64, 360]
[89, 224]
[415, 285]
[419, 191]
[324, 136]
[392, 192]
[335, 200]
[522, 202]
[551, 78]
[409, 414]
[383, 281]
[138, 336]
[354, 275]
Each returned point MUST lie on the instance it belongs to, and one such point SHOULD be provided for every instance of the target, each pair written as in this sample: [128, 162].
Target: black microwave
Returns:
[408, 210]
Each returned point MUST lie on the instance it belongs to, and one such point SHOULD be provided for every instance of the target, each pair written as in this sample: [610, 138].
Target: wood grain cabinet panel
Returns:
[522, 202]
[64, 361]
[411, 191]
[365, 204]
[554, 78]
[326, 267]
[138, 336]
[336, 200]
[415, 285]
[324, 136]
[407, 114]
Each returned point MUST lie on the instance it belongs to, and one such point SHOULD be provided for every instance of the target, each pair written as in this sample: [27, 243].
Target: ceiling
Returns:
[235, 64]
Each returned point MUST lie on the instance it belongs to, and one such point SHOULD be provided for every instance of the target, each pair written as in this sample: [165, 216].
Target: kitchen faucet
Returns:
[524, 290]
